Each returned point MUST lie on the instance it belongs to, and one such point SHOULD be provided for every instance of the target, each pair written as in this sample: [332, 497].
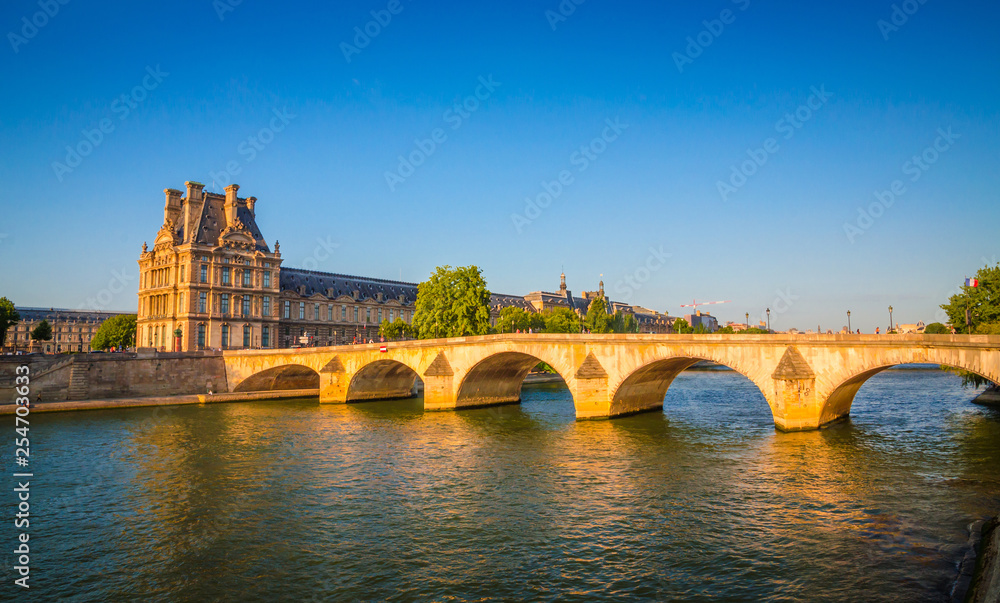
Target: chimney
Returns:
[231, 204]
[172, 206]
[192, 210]
[251, 201]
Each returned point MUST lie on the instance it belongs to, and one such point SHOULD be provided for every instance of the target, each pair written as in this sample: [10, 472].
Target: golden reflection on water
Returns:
[531, 503]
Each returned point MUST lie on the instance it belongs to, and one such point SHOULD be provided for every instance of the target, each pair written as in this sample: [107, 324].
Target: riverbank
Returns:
[985, 584]
[8, 409]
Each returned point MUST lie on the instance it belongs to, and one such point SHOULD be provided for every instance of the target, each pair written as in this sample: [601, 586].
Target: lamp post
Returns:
[748, 320]
[849, 331]
[769, 321]
[890, 318]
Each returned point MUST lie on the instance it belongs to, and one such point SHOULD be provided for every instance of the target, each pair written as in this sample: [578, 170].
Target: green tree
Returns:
[513, 318]
[42, 331]
[682, 326]
[726, 330]
[452, 303]
[982, 302]
[598, 320]
[754, 331]
[396, 329]
[700, 329]
[936, 328]
[562, 320]
[976, 310]
[115, 332]
[624, 322]
[8, 318]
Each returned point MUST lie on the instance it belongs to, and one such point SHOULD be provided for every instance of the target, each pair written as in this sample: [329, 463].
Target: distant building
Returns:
[911, 328]
[72, 330]
[703, 318]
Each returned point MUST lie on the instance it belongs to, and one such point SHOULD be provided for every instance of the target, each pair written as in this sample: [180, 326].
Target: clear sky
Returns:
[748, 134]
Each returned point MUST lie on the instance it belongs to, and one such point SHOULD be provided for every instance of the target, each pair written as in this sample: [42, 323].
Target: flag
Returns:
[972, 282]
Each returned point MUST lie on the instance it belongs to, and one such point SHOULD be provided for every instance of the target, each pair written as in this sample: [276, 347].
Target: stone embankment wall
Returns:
[101, 376]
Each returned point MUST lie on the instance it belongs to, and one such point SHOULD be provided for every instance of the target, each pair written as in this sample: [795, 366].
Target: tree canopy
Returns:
[453, 302]
[513, 318]
[624, 322]
[598, 320]
[562, 320]
[396, 329]
[42, 331]
[682, 326]
[8, 318]
[982, 303]
[115, 332]
[975, 310]
[936, 328]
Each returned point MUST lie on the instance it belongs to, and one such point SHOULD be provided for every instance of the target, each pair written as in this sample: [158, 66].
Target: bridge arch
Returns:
[382, 379]
[837, 404]
[497, 378]
[644, 387]
[282, 377]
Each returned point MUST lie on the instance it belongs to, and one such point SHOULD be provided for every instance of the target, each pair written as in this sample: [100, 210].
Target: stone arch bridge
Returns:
[808, 380]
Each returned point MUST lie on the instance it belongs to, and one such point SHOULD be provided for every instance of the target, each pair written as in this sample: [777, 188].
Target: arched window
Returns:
[225, 336]
[201, 336]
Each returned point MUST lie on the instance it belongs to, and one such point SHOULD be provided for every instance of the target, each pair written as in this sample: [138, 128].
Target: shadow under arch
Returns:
[382, 380]
[838, 404]
[286, 376]
[497, 379]
[645, 388]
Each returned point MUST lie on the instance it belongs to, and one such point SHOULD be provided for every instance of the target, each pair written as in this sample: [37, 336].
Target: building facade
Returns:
[72, 330]
[211, 281]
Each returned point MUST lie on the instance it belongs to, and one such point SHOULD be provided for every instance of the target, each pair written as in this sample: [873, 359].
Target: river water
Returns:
[290, 500]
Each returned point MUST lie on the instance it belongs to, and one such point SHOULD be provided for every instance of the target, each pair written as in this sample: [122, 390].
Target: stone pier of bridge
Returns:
[808, 381]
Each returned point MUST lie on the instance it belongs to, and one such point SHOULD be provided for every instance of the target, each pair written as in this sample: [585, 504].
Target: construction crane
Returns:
[694, 304]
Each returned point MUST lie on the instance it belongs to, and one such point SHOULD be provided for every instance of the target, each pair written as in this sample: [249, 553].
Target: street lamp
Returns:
[769, 321]
[890, 318]
[748, 320]
[849, 322]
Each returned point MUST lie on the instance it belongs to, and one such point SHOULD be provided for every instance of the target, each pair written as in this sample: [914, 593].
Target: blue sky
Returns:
[697, 92]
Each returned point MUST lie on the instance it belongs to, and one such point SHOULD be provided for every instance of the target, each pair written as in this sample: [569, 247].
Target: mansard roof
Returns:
[345, 284]
[61, 314]
[213, 222]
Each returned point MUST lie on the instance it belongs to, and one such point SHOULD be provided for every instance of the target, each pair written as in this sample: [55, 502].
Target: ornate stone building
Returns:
[211, 274]
[210, 280]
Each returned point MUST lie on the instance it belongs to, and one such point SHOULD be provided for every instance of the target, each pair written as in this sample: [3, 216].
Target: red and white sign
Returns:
[383, 349]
